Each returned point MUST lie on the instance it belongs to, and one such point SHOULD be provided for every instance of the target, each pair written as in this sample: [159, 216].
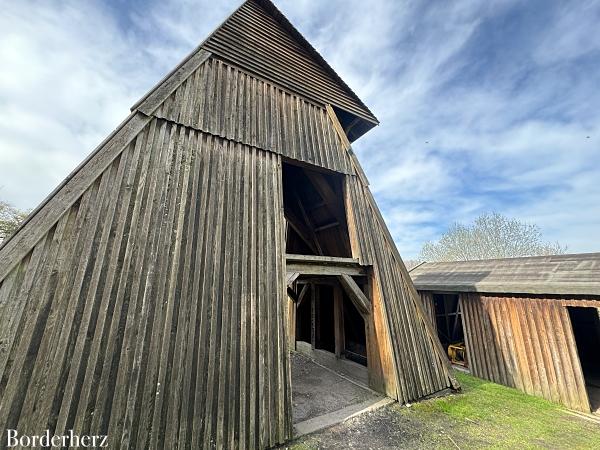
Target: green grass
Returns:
[496, 416]
[483, 415]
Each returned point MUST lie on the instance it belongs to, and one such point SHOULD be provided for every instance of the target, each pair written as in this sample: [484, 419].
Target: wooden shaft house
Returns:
[155, 294]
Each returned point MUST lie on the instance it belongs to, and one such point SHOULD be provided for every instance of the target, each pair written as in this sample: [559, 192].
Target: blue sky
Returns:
[484, 106]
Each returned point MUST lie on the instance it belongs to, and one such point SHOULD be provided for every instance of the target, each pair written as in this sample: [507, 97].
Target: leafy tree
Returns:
[10, 219]
[490, 236]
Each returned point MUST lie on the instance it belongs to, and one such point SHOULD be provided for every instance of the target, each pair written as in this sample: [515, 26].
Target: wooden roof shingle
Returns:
[576, 274]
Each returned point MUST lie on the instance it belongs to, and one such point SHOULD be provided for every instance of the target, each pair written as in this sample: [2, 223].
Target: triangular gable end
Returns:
[257, 37]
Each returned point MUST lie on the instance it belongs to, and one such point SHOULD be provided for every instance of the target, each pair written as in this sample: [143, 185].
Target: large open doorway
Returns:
[329, 327]
[330, 362]
[329, 305]
[449, 324]
[586, 329]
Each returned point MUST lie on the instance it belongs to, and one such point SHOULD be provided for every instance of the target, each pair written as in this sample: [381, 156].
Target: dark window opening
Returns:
[313, 203]
[448, 317]
[586, 329]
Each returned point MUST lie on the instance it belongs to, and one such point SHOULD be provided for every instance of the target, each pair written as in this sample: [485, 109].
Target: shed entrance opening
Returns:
[328, 325]
[448, 317]
[329, 364]
[586, 329]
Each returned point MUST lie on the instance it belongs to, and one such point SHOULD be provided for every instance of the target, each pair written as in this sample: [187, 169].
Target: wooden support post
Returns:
[313, 316]
[338, 320]
[292, 294]
[292, 323]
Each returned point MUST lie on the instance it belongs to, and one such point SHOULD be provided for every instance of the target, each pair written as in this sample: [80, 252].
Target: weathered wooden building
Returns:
[148, 297]
[530, 323]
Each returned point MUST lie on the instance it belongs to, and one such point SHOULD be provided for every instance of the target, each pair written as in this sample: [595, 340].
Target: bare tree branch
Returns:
[491, 236]
[10, 219]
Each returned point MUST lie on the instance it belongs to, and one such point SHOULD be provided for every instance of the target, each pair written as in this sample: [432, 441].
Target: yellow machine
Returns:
[458, 353]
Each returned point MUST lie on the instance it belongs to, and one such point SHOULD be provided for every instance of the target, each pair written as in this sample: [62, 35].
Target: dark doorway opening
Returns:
[304, 320]
[355, 338]
[324, 319]
[586, 329]
[448, 318]
[329, 327]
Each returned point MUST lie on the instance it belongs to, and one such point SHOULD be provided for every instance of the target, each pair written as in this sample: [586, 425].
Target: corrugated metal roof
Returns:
[577, 274]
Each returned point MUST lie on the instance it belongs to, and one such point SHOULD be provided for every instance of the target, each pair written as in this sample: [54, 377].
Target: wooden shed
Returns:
[154, 295]
[530, 323]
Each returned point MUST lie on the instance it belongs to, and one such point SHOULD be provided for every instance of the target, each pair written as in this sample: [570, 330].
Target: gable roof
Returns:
[260, 39]
[577, 274]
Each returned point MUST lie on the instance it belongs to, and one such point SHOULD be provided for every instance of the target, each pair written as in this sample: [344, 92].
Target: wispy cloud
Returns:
[483, 105]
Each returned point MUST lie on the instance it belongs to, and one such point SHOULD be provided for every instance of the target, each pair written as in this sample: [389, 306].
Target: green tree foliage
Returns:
[490, 236]
[10, 219]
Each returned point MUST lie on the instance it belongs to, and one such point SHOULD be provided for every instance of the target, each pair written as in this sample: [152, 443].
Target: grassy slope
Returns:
[500, 417]
[484, 415]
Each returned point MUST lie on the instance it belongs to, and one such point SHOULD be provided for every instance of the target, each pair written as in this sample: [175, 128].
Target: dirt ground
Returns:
[483, 415]
[317, 391]
[386, 428]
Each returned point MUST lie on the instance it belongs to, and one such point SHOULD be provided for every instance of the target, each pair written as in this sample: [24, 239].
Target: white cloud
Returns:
[462, 130]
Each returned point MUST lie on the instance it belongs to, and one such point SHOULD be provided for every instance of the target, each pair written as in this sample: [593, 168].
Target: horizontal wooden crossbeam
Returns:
[323, 265]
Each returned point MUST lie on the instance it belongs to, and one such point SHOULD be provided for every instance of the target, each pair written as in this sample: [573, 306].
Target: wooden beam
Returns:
[302, 295]
[323, 265]
[338, 320]
[312, 269]
[309, 226]
[359, 299]
[291, 323]
[346, 143]
[321, 260]
[330, 198]
[300, 229]
[327, 226]
[291, 277]
[292, 295]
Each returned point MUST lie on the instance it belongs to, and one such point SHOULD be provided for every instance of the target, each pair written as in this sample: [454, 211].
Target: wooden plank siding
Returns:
[223, 100]
[525, 342]
[429, 307]
[123, 319]
[419, 367]
[146, 298]
[257, 36]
